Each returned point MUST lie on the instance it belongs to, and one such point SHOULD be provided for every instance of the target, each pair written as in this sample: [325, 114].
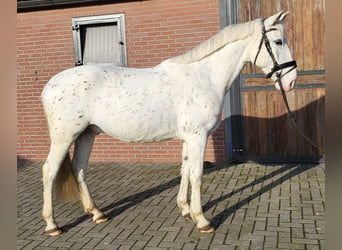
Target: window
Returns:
[100, 39]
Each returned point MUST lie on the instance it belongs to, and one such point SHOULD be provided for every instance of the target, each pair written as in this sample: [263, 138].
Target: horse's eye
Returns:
[279, 42]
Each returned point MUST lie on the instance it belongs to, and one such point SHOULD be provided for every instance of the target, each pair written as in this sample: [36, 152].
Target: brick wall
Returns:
[155, 30]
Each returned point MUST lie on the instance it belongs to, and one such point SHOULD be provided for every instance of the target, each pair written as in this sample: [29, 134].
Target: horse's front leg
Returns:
[182, 197]
[196, 150]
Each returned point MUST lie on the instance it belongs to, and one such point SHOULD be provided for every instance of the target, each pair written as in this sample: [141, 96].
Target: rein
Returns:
[276, 67]
[293, 119]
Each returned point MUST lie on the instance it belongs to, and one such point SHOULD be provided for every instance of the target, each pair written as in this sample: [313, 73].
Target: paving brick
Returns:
[304, 241]
[191, 246]
[47, 241]
[151, 248]
[257, 244]
[48, 248]
[170, 236]
[284, 237]
[219, 238]
[140, 200]
[140, 244]
[240, 243]
[58, 243]
[102, 245]
[154, 242]
[79, 245]
[312, 247]
[169, 244]
[204, 243]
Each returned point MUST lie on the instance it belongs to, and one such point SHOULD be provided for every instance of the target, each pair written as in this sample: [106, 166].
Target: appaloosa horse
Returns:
[179, 99]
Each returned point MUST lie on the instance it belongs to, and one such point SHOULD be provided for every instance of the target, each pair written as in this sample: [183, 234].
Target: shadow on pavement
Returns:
[116, 208]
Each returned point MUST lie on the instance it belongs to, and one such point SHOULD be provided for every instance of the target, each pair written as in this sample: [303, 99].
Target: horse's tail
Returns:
[66, 188]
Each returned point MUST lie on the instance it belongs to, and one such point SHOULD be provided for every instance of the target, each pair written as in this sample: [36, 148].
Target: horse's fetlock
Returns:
[45, 217]
[87, 211]
[195, 216]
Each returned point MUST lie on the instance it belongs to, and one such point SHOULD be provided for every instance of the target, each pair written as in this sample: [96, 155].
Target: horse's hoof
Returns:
[187, 217]
[101, 219]
[207, 229]
[52, 232]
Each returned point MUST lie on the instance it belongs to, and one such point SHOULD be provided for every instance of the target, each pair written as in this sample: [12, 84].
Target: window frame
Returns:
[77, 22]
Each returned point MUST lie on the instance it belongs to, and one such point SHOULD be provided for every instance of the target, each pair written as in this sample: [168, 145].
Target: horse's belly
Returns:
[137, 128]
[139, 134]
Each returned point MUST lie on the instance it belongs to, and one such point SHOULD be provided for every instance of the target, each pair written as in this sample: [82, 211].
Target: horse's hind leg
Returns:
[57, 154]
[83, 146]
[182, 197]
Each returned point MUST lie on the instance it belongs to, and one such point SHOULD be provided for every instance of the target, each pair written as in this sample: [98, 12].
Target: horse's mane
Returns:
[227, 35]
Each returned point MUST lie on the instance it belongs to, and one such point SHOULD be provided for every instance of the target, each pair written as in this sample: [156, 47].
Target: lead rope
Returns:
[292, 117]
[276, 67]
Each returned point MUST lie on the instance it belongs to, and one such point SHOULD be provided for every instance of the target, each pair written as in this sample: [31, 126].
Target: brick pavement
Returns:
[253, 206]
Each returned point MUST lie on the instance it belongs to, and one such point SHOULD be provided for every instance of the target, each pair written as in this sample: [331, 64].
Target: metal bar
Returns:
[271, 87]
[244, 77]
[232, 119]
[299, 73]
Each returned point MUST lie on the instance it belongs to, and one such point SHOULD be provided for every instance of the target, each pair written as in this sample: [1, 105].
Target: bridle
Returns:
[276, 66]
[275, 70]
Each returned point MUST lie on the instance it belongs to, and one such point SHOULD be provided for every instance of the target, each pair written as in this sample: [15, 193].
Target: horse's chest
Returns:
[201, 112]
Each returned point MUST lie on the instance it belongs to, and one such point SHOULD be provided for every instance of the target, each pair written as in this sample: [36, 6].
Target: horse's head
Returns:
[272, 54]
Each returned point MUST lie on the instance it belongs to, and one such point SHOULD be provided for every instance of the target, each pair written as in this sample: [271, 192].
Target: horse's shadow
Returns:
[295, 169]
[116, 208]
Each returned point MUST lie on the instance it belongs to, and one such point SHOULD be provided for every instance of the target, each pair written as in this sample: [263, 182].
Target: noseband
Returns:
[276, 66]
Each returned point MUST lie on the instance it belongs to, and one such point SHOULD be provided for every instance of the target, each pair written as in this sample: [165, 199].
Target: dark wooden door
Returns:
[266, 132]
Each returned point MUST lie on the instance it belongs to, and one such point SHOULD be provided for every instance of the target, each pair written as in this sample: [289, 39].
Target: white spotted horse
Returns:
[179, 99]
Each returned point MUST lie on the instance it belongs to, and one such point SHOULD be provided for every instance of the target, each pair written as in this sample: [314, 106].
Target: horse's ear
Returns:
[283, 15]
[272, 20]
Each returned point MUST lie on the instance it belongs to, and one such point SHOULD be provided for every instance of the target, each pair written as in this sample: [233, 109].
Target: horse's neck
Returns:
[224, 65]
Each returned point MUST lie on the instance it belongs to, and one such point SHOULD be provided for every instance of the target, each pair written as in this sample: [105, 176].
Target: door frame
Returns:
[232, 101]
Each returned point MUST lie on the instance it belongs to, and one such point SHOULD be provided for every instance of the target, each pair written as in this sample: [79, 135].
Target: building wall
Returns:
[155, 30]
